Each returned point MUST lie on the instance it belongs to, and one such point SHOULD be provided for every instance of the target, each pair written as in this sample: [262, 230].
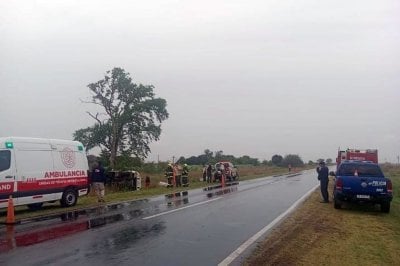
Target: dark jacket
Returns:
[98, 174]
[209, 170]
[323, 172]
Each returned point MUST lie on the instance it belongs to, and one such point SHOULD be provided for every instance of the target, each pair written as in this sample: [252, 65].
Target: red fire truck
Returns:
[356, 154]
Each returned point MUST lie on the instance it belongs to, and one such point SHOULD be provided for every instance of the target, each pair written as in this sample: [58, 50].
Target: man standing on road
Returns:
[323, 173]
[98, 179]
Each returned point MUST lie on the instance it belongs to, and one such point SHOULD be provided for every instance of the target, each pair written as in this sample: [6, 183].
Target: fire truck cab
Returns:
[356, 154]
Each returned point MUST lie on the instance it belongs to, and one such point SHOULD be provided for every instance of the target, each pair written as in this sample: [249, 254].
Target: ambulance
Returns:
[34, 171]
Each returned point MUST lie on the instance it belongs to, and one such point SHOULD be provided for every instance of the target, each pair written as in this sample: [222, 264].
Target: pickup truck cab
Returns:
[361, 181]
[225, 168]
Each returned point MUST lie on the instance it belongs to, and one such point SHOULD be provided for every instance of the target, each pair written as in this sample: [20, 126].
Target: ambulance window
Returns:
[5, 160]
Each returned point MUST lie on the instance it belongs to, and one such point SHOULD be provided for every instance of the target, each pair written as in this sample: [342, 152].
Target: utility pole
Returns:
[173, 159]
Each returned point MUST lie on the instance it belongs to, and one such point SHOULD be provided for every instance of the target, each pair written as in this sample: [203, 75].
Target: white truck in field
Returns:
[34, 171]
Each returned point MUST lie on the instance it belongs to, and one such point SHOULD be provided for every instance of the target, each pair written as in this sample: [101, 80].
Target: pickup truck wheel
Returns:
[337, 204]
[385, 207]
[69, 198]
[35, 206]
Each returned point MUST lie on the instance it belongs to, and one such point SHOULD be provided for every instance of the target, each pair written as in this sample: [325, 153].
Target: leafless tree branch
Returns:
[96, 117]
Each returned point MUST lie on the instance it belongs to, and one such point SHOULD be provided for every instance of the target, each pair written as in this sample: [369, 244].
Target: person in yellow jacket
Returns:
[185, 175]
[169, 174]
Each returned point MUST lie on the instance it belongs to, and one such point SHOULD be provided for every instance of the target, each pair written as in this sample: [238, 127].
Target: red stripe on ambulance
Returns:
[7, 187]
[51, 183]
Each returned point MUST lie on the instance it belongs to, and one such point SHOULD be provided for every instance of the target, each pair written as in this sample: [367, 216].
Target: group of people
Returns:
[177, 175]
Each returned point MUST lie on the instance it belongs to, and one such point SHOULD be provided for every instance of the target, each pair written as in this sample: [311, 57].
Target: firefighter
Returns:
[169, 174]
[185, 175]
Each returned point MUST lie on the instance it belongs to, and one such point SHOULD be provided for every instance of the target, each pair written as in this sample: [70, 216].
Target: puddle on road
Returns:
[126, 237]
[71, 222]
[177, 199]
[221, 190]
[42, 229]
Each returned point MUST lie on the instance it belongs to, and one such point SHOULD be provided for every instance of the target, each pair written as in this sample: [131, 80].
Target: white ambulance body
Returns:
[35, 170]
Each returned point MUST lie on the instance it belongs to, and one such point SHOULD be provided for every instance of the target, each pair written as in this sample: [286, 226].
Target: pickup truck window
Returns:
[361, 170]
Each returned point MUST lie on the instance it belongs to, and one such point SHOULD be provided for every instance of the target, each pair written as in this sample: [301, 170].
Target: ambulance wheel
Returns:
[69, 198]
[35, 206]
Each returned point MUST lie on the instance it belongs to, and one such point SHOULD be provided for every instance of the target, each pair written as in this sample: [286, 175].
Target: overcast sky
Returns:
[253, 78]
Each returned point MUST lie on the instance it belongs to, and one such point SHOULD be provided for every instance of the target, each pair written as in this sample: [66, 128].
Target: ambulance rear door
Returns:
[69, 155]
[70, 159]
[7, 174]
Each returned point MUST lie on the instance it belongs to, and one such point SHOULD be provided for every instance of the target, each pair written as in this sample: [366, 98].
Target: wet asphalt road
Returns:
[197, 227]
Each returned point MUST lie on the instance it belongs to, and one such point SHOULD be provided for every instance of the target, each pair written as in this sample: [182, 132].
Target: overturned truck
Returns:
[124, 180]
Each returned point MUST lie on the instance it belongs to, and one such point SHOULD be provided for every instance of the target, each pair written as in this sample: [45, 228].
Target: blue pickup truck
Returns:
[359, 181]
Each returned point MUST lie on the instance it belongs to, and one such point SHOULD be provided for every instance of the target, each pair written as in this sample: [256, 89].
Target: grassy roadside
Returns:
[317, 234]
[112, 195]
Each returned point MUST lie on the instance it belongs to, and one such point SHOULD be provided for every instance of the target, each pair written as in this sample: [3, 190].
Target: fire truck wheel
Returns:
[69, 198]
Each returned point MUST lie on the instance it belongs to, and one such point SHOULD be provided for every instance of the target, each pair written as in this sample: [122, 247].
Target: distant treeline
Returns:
[213, 157]
[208, 157]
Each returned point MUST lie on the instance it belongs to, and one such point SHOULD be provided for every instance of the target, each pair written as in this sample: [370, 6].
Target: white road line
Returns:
[254, 238]
[175, 210]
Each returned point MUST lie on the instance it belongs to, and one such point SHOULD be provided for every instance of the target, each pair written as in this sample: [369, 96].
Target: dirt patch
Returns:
[297, 235]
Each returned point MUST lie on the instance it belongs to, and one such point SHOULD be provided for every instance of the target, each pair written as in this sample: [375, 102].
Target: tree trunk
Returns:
[113, 155]
[114, 146]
